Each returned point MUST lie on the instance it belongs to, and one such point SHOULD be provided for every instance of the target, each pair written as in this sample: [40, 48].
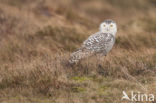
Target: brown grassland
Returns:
[37, 37]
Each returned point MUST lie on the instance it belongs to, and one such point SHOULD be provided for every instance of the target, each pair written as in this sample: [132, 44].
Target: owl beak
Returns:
[107, 29]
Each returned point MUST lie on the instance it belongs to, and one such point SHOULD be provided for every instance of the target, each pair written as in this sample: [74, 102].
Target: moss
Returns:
[102, 90]
[80, 79]
[78, 89]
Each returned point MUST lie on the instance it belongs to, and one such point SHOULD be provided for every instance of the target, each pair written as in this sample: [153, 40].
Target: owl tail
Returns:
[78, 55]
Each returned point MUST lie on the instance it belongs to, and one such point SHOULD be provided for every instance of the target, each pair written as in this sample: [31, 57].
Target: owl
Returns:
[99, 43]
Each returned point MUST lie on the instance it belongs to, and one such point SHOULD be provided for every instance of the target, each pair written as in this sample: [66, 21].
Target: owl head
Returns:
[108, 26]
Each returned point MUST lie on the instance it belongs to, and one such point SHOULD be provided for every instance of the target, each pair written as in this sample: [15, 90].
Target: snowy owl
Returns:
[99, 43]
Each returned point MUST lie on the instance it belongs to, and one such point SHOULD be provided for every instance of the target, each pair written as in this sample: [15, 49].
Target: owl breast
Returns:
[100, 43]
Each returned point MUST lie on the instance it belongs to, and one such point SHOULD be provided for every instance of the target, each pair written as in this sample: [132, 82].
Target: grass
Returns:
[36, 39]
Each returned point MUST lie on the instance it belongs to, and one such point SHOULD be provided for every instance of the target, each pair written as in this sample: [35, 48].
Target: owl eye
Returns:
[111, 25]
[104, 25]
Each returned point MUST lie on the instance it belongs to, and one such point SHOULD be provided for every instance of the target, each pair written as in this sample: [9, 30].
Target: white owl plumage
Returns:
[98, 43]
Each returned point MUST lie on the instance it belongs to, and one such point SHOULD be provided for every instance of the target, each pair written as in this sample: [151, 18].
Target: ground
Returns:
[38, 36]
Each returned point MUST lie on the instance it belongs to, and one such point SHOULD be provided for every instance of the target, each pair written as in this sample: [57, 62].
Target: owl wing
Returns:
[96, 43]
[99, 42]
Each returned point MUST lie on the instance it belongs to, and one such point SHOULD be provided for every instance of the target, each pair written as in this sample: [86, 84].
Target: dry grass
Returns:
[36, 38]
